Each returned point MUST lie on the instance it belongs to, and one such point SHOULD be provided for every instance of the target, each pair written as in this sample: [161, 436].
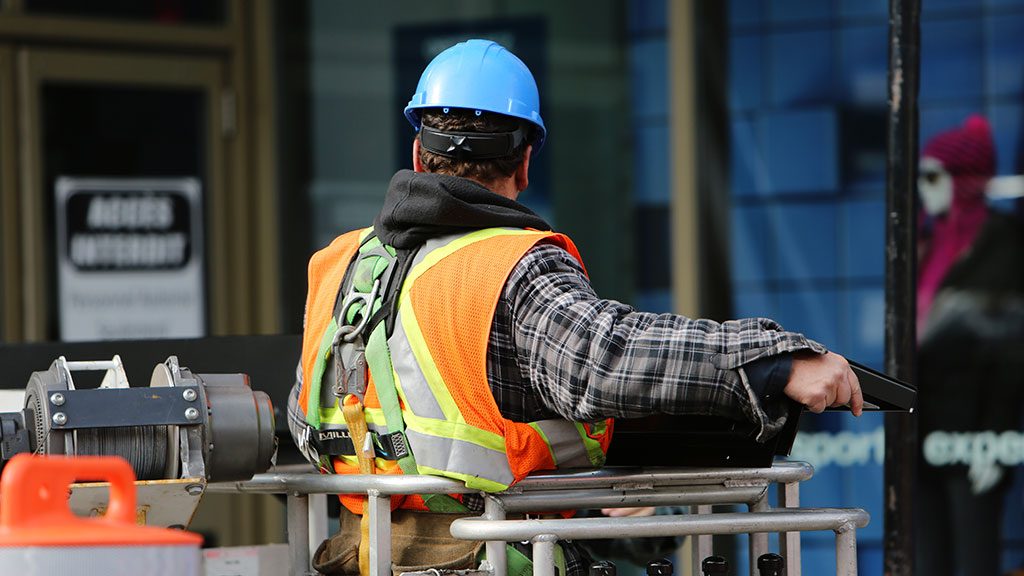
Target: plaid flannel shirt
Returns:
[556, 349]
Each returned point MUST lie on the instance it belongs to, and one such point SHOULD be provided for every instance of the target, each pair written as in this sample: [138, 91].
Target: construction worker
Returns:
[459, 336]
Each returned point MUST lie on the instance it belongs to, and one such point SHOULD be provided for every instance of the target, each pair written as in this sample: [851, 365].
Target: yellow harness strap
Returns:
[352, 409]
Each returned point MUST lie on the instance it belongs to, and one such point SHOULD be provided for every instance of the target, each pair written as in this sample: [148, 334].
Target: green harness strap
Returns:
[519, 565]
[323, 353]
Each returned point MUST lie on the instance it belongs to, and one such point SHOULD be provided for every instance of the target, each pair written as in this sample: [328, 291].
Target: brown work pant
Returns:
[419, 540]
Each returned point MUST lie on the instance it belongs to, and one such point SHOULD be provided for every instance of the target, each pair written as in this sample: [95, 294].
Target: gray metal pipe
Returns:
[758, 543]
[298, 534]
[789, 542]
[544, 555]
[702, 544]
[278, 483]
[618, 478]
[597, 498]
[846, 552]
[652, 526]
[497, 554]
[379, 506]
[781, 472]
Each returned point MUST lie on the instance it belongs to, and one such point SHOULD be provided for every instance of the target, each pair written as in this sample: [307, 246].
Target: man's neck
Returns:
[503, 187]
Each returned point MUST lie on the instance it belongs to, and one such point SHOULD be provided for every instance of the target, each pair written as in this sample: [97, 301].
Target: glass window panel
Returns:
[752, 255]
[1004, 44]
[950, 62]
[801, 67]
[864, 56]
[800, 151]
[805, 236]
[745, 76]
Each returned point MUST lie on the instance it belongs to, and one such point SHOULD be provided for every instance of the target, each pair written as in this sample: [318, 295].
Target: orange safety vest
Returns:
[438, 351]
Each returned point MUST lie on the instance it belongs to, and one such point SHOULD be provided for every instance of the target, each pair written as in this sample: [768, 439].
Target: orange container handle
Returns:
[34, 489]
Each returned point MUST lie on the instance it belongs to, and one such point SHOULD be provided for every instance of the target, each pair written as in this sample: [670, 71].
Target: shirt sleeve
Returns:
[589, 358]
[768, 376]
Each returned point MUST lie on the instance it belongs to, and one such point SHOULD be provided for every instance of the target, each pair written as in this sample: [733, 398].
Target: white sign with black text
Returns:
[130, 258]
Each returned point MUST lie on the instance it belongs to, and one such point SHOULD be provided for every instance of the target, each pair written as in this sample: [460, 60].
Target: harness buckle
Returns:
[349, 332]
[350, 370]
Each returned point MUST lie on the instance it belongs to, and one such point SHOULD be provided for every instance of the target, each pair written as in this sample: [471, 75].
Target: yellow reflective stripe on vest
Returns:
[409, 377]
[568, 449]
[478, 466]
[456, 430]
[593, 447]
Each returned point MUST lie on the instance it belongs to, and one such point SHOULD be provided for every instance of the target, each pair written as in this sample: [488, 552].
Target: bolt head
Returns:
[57, 399]
[189, 394]
[60, 418]
[194, 489]
[191, 413]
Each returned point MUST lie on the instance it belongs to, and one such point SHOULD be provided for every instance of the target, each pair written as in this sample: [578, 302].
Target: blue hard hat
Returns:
[479, 75]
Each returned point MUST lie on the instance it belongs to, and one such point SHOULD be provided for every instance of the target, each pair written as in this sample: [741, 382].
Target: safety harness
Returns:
[357, 339]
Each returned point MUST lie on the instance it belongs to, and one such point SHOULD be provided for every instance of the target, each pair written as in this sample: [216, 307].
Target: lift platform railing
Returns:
[699, 488]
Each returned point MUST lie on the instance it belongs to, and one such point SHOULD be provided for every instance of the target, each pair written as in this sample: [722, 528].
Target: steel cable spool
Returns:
[183, 425]
[144, 447]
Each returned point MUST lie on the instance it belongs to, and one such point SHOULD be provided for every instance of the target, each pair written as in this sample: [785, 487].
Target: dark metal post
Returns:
[900, 279]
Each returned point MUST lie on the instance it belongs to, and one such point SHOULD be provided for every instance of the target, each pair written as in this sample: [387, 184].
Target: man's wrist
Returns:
[768, 376]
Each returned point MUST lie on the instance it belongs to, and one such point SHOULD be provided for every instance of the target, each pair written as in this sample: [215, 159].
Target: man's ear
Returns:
[417, 166]
[523, 171]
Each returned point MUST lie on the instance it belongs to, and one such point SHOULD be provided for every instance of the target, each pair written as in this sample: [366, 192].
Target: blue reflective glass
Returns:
[799, 11]
[654, 301]
[800, 148]
[746, 164]
[745, 80]
[801, 67]
[950, 56]
[865, 325]
[650, 163]
[751, 255]
[813, 312]
[754, 303]
[647, 16]
[649, 77]
[863, 239]
[944, 7]
[1008, 131]
[863, 8]
[864, 64]
[745, 12]
[1004, 45]
[805, 238]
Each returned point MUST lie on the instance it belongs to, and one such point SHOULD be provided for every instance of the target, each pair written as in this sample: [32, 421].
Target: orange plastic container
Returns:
[39, 535]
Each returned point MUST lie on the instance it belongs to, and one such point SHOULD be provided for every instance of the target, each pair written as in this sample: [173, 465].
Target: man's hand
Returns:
[822, 381]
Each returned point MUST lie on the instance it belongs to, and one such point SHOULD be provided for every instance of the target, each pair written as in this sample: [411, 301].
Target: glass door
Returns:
[123, 163]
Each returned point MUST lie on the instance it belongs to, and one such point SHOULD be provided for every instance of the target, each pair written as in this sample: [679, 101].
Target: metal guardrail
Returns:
[699, 488]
